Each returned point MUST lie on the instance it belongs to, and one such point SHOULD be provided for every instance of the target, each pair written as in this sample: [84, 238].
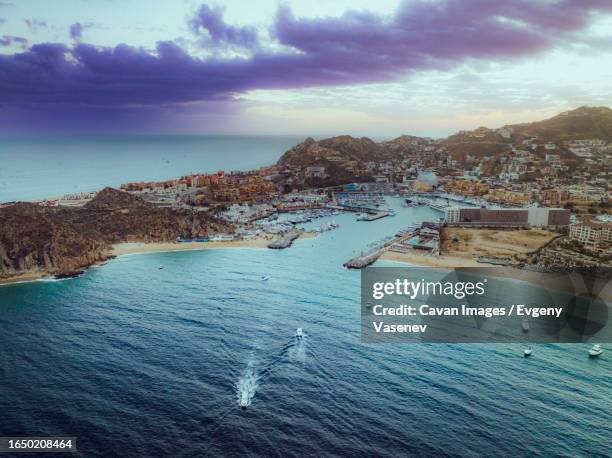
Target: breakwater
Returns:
[285, 241]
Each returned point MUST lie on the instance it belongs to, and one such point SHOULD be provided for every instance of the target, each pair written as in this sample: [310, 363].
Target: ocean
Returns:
[137, 361]
[43, 167]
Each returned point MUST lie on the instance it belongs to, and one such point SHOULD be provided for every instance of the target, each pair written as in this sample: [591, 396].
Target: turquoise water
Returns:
[139, 361]
[42, 167]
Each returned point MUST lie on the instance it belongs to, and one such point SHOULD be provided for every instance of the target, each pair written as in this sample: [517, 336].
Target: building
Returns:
[590, 232]
[469, 188]
[507, 217]
[557, 196]
[315, 172]
[504, 196]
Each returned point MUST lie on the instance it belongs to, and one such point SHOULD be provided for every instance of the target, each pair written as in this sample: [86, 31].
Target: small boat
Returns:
[596, 350]
[527, 352]
[244, 400]
[160, 267]
[265, 278]
[299, 333]
[525, 325]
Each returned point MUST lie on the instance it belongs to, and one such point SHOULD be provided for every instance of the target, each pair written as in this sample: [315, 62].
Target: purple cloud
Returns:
[211, 20]
[358, 47]
[76, 31]
[34, 24]
[8, 40]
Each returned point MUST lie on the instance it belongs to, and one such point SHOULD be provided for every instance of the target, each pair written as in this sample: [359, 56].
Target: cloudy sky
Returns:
[298, 67]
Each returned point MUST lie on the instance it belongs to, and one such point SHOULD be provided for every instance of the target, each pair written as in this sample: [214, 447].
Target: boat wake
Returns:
[297, 352]
[247, 385]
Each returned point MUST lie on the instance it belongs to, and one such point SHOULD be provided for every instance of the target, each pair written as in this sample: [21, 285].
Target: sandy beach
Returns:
[139, 247]
[125, 248]
[23, 278]
[120, 249]
[443, 262]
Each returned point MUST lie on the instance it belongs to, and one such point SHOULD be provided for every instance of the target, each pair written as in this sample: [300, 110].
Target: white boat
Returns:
[244, 400]
[596, 350]
[299, 333]
[525, 325]
[265, 278]
[527, 351]
[221, 238]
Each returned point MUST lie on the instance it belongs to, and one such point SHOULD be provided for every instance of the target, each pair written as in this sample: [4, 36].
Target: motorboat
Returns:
[265, 278]
[244, 400]
[299, 333]
[596, 350]
[527, 352]
[160, 267]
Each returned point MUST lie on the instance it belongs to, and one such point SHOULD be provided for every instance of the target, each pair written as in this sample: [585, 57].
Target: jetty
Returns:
[285, 241]
[370, 257]
[374, 216]
[363, 260]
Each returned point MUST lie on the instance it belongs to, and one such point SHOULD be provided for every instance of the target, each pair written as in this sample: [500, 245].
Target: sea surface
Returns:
[43, 167]
[138, 361]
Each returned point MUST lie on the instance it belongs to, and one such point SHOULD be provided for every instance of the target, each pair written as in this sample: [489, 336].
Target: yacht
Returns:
[527, 351]
[596, 350]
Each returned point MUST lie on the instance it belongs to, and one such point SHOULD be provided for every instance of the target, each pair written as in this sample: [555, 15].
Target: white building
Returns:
[592, 233]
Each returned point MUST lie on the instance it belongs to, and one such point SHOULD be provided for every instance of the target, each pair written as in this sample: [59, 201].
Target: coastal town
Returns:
[533, 196]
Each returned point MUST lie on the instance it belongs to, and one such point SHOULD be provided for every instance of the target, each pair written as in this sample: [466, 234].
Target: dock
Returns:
[364, 260]
[374, 216]
[285, 241]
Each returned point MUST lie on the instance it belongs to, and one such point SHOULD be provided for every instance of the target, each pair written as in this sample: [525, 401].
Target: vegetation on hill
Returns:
[59, 240]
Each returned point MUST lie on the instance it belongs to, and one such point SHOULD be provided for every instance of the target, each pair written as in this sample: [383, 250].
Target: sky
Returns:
[316, 67]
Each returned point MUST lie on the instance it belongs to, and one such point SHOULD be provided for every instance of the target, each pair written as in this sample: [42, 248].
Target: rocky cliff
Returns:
[61, 240]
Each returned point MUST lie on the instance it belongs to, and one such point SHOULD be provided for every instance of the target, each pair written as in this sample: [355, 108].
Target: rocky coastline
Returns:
[38, 241]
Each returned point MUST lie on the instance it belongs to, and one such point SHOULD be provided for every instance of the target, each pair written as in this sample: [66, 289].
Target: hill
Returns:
[581, 123]
[343, 154]
[59, 240]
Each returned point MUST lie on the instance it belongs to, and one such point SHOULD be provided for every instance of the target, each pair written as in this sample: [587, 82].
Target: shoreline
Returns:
[131, 248]
[442, 261]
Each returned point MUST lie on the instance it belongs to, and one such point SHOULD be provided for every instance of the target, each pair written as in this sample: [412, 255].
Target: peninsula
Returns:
[526, 195]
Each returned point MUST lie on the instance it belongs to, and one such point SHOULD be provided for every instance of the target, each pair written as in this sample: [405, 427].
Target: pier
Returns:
[374, 216]
[364, 260]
